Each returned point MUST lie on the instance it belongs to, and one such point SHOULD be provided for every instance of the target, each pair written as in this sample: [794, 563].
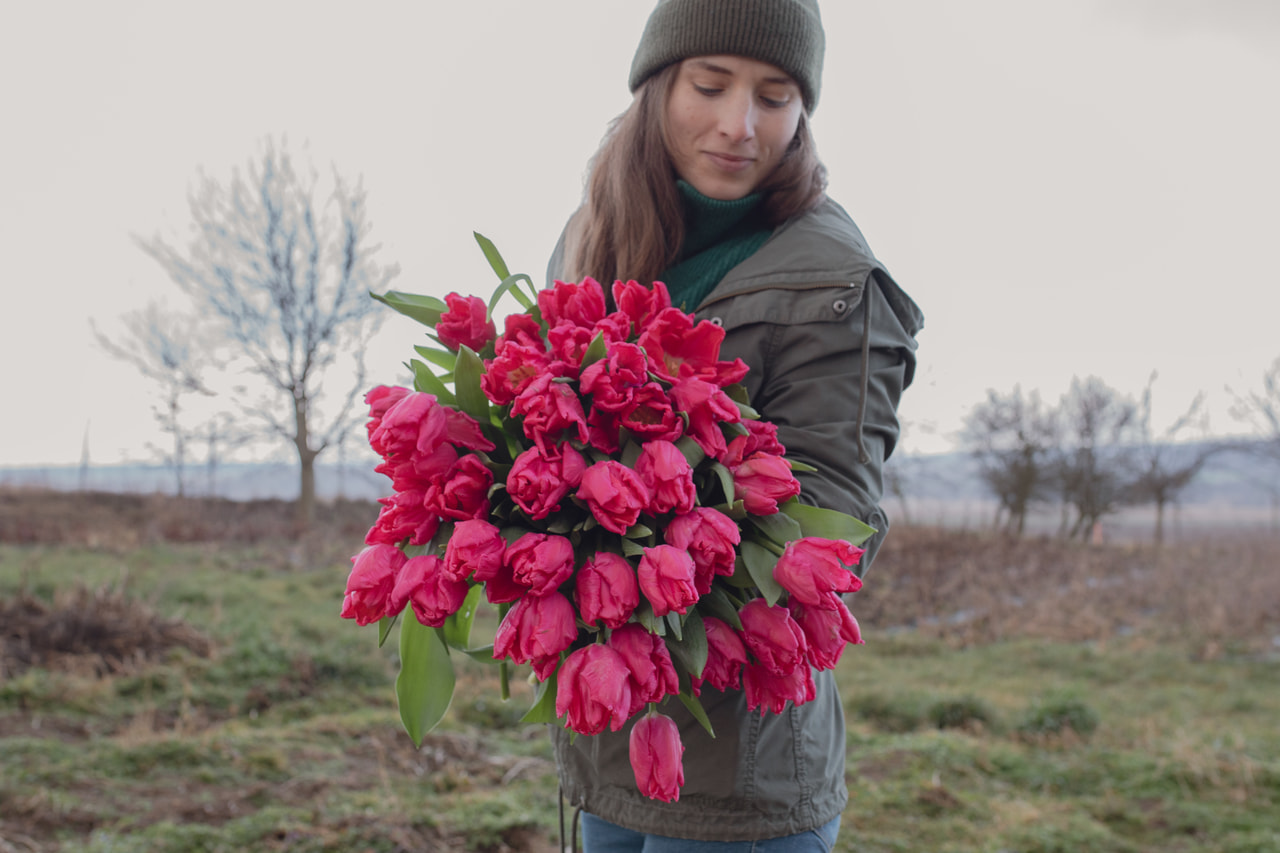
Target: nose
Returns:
[738, 117]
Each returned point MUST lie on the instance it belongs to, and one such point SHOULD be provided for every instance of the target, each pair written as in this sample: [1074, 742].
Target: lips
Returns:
[729, 162]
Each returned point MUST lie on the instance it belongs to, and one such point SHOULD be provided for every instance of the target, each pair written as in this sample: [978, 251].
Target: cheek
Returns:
[781, 136]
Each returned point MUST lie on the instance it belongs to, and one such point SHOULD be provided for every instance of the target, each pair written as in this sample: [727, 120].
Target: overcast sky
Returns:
[1066, 187]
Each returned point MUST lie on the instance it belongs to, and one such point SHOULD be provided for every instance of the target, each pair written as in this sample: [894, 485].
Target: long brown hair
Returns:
[631, 222]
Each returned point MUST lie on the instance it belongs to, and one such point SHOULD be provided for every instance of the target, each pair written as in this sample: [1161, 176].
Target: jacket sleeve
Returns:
[811, 363]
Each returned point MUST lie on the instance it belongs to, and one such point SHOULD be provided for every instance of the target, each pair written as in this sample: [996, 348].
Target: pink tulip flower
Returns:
[538, 483]
[666, 577]
[762, 481]
[711, 538]
[424, 584]
[657, 757]
[614, 493]
[371, 582]
[810, 569]
[540, 562]
[826, 631]
[466, 323]
[476, 547]
[667, 474]
[767, 690]
[773, 637]
[726, 655]
[536, 631]
[607, 589]
[593, 690]
[653, 675]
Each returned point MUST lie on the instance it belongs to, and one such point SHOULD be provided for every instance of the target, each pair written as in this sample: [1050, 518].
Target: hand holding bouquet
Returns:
[598, 476]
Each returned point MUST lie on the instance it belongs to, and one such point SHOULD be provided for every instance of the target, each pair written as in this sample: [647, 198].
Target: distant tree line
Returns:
[1097, 451]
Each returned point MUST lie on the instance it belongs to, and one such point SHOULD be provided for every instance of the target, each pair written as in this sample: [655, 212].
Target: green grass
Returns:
[1083, 747]
[286, 737]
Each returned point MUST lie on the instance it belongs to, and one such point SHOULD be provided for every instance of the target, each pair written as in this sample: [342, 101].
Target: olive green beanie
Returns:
[785, 33]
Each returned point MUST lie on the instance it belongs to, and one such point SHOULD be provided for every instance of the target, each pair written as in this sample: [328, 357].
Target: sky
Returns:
[1066, 187]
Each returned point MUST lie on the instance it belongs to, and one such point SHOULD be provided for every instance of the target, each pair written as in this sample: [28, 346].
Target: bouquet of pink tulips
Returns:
[597, 476]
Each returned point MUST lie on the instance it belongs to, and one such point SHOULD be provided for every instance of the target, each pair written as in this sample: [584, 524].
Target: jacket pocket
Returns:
[785, 306]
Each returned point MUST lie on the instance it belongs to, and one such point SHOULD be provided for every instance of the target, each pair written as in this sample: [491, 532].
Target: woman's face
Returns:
[729, 121]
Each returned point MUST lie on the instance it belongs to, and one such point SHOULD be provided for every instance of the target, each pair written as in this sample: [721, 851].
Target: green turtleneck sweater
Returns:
[718, 235]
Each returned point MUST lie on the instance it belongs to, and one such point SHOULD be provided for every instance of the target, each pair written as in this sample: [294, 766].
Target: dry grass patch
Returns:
[968, 587]
[89, 632]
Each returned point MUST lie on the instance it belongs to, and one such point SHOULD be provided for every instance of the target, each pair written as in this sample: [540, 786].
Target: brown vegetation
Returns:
[972, 587]
[102, 632]
[122, 521]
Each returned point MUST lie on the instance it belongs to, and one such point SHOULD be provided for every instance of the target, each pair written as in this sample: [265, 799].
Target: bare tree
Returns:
[220, 434]
[1164, 469]
[1013, 438]
[288, 281]
[1095, 466]
[166, 348]
[1261, 410]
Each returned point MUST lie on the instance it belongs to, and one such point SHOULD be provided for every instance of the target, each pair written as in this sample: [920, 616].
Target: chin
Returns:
[723, 190]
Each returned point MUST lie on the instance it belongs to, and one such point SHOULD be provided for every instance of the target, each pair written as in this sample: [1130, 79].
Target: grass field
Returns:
[202, 695]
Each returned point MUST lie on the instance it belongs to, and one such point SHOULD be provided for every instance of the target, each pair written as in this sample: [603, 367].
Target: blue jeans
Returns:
[600, 836]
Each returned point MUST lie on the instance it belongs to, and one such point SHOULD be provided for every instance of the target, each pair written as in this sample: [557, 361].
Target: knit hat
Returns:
[785, 33]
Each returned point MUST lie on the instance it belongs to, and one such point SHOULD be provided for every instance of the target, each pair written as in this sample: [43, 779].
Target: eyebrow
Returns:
[720, 69]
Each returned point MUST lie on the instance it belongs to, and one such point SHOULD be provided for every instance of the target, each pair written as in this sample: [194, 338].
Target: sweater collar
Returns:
[708, 221]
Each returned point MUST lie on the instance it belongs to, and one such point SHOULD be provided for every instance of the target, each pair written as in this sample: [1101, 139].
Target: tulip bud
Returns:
[657, 757]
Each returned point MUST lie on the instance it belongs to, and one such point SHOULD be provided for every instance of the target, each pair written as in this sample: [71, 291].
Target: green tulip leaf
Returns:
[471, 398]
[741, 578]
[426, 380]
[425, 684]
[801, 466]
[737, 392]
[385, 624]
[689, 648]
[439, 357]
[779, 527]
[726, 480]
[651, 622]
[629, 454]
[483, 654]
[492, 255]
[695, 708]
[692, 451]
[457, 628]
[760, 562]
[716, 603]
[677, 627]
[596, 351]
[827, 523]
[424, 309]
[511, 284]
[543, 709]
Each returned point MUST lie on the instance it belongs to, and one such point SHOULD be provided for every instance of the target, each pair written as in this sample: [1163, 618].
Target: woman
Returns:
[710, 183]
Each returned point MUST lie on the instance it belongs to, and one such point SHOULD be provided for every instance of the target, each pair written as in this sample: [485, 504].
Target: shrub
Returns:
[968, 712]
[1057, 717]
[889, 713]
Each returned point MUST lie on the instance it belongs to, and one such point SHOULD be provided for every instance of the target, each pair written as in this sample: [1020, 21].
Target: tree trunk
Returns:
[306, 467]
[1159, 521]
[306, 489]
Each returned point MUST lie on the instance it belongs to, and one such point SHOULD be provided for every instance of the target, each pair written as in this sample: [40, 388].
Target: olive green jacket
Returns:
[830, 340]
